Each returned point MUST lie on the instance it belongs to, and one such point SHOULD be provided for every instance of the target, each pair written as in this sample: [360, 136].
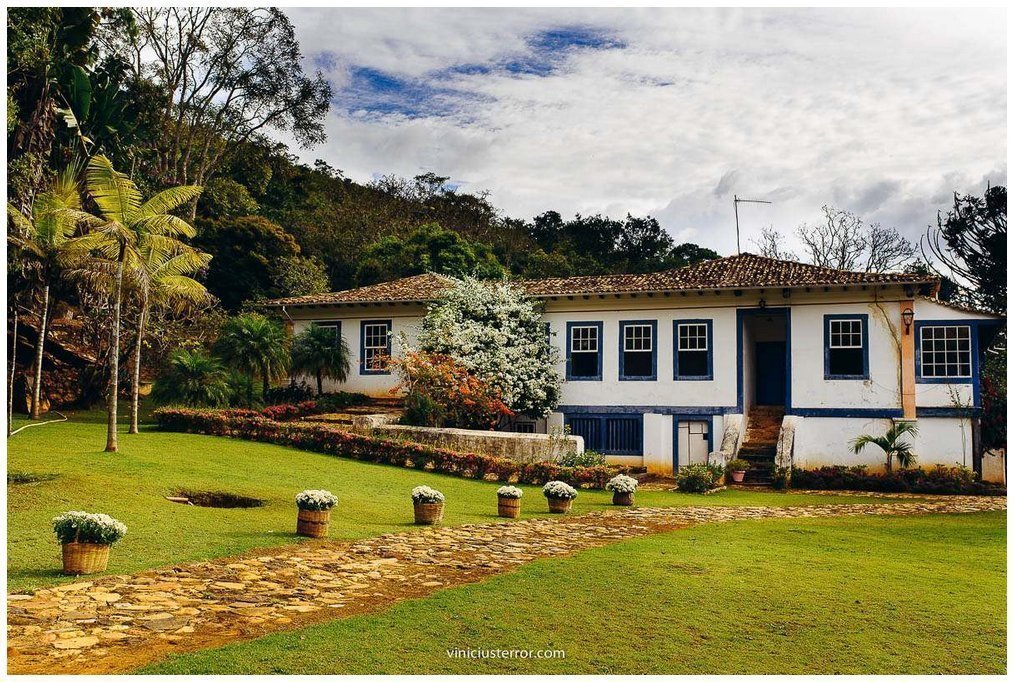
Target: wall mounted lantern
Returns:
[907, 316]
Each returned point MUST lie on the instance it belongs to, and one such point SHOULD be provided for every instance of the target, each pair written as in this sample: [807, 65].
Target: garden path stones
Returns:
[117, 623]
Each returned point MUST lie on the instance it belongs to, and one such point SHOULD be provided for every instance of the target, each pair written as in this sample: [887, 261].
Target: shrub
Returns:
[738, 465]
[316, 500]
[588, 458]
[332, 402]
[79, 526]
[251, 425]
[509, 491]
[696, 478]
[558, 490]
[937, 480]
[622, 483]
[192, 378]
[291, 394]
[283, 413]
[423, 494]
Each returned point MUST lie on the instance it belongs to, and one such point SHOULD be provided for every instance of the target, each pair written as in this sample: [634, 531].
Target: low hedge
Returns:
[252, 425]
[939, 480]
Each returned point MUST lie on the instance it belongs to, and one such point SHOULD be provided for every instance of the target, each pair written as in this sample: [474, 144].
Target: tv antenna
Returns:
[736, 201]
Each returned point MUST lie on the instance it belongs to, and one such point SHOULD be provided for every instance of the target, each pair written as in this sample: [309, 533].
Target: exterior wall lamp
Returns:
[907, 315]
[762, 304]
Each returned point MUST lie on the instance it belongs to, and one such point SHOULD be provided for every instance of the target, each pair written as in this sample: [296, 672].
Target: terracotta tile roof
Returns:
[745, 271]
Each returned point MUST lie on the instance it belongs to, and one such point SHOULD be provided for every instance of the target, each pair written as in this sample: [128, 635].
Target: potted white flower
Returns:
[560, 496]
[508, 501]
[85, 540]
[314, 512]
[429, 505]
[623, 488]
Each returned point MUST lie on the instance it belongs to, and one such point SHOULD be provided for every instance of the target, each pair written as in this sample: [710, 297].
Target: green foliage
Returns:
[696, 478]
[588, 458]
[892, 443]
[937, 480]
[225, 198]
[255, 346]
[738, 465]
[429, 248]
[321, 353]
[299, 276]
[78, 526]
[193, 378]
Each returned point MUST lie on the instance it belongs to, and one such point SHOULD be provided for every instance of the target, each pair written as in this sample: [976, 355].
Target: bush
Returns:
[423, 494]
[697, 478]
[738, 465]
[79, 526]
[622, 484]
[251, 425]
[938, 480]
[332, 402]
[558, 490]
[588, 458]
[291, 394]
[284, 413]
[316, 500]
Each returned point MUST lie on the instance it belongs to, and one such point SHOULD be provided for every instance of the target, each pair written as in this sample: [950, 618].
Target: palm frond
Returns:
[169, 200]
[116, 195]
[165, 224]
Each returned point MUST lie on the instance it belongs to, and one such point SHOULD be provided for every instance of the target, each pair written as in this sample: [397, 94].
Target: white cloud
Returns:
[884, 112]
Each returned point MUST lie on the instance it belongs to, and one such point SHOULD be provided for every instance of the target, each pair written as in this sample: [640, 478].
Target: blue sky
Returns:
[672, 111]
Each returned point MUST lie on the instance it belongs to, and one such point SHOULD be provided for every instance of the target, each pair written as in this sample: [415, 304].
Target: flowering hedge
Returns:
[939, 480]
[252, 425]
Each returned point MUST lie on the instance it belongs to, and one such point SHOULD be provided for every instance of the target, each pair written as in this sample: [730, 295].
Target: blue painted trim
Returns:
[602, 417]
[710, 376]
[654, 350]
[865, 320]
[362, 347]
[930, 412]
[741, 315]
[676, 419]
[973, 346]
[864, 412]
[647, 409]
[570, 326]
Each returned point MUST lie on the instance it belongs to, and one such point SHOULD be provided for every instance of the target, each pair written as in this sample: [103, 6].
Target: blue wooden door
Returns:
[770, 364]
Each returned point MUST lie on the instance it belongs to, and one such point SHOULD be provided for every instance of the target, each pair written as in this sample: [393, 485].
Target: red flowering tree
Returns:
[440, 391]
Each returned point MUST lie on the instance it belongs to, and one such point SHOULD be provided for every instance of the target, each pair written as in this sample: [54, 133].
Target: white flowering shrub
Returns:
[423, 494]
[316, 500]
[622, 484]
[79, 526]
[498, 334]
[559, 490]
[509, 491]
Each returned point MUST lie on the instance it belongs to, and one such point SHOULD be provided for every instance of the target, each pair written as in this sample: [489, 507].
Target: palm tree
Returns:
[43, 238]
[253, 344]
[322, 352]
[193, 378]
[128, 222]
[161, 282]
[891, 443]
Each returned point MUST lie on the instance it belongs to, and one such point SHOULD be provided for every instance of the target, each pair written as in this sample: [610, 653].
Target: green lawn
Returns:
[130, 485]
[871, 595]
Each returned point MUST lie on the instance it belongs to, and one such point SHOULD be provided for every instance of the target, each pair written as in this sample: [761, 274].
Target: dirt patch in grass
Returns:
[214, 498]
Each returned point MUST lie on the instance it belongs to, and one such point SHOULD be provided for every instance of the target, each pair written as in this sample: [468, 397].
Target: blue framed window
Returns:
[638, 350]
[584, 351]
[374, 346]
[847, 347]
[609, 434]
[334, 325]
[945, 353]
[692, 350]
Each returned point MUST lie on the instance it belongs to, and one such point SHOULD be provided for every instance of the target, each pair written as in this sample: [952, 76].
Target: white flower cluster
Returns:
[423, 494]
[559, 490]
[509, 491]
[622, 484]
[497, 333]
[316, 500]
[79, 526]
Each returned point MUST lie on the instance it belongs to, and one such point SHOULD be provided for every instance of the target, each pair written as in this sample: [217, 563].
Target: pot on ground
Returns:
[559, 505]
[313, 524]
[508, 507]
[428, 513]
[623, 499]
[80, 558]
[737, 476]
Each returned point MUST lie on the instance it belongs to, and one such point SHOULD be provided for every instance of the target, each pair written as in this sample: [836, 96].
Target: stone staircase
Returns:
[760, 442]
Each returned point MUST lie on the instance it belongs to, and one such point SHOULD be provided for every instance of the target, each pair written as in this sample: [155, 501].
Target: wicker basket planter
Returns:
[508, 507]
[559, 506]
[80, 558]
[428, 513]
[623, 499]
[313, 524]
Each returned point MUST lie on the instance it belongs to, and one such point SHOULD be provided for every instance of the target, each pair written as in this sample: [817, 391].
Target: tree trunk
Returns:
[135, 388]
[114, 362]
[14, 367]
[264, 382]
[39, 349]
[320, 384]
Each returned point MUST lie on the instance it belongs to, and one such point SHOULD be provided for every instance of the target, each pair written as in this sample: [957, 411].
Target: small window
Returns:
[693, 350]
[376, 346]
[609, 434]
[846, 351]
[637, 350]
[524, 427]
[946, 352]
[584, 351]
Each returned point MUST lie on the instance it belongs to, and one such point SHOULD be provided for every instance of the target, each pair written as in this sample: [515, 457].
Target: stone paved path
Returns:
[118, 623]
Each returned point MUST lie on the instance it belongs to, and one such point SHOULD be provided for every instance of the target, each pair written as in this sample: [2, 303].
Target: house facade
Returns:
[775, 361]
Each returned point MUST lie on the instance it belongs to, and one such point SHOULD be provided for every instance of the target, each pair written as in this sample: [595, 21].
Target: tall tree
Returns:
[323, 353]
[844, 241]
[429, 248]
[771, 244]
[254, 344]
[128, 222]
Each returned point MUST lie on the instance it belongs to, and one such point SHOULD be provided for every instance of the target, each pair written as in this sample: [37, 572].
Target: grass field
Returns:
[856, 595]
[131, 485]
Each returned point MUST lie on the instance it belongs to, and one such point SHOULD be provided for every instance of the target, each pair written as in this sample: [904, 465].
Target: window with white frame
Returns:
[638, 350]
[846, 348]
[946, 351]
[692, 350]
[585, 346]
[334, 326]
[376, 346]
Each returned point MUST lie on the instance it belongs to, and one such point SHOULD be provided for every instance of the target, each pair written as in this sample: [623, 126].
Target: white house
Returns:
[744, 355]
